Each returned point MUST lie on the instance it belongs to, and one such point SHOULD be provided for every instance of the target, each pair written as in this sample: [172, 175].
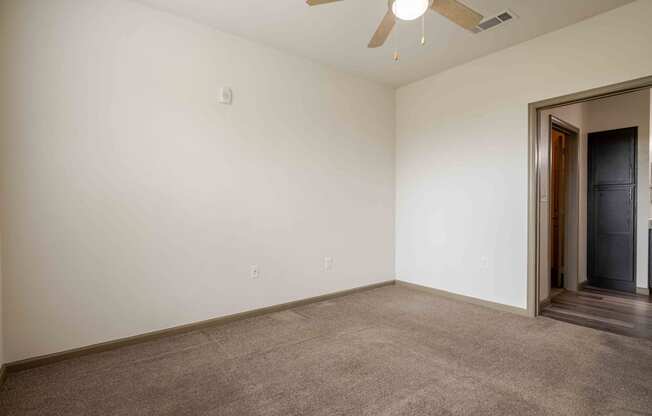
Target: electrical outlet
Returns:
[484, 263]
[328, 263]
[255, 272]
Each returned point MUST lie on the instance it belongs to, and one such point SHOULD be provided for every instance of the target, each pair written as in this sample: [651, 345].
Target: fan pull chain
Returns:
[397, 56]
[423, 30]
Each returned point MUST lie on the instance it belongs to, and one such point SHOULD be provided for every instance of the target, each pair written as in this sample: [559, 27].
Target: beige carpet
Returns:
[389, 351]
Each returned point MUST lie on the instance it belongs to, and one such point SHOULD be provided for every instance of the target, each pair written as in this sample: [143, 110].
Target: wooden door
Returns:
[557, 207]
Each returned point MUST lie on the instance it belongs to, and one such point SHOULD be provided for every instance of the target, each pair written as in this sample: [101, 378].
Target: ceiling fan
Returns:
[453, 10]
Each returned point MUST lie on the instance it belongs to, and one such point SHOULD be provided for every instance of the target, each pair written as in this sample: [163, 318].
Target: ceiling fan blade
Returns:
[318, 2]
[383, 31]
[457, 13]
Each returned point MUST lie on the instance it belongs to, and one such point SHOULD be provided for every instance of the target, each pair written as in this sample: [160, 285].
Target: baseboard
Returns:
[3, 375]
[546, 302]
[150, 336]
[467, 299]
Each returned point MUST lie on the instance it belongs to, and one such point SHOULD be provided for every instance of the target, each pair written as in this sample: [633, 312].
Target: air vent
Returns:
[488, 24]
[494, 21]
[505, 16]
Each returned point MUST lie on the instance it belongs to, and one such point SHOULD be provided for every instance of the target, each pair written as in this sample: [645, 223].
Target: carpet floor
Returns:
[388, 351]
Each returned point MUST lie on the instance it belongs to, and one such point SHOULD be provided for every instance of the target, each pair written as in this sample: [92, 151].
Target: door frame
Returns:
[534, 173]
[570, 130]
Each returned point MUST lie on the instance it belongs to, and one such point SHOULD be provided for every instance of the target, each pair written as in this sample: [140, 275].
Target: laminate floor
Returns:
[620, 313]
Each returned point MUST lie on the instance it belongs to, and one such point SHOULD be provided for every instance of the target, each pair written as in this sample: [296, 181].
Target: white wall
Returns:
[462, 151]
[132, 201]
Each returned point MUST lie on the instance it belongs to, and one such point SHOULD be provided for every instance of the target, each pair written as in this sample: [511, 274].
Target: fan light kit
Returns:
[410, 9]
[453, 10]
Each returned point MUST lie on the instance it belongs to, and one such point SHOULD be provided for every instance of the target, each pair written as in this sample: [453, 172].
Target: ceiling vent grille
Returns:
[494, 21]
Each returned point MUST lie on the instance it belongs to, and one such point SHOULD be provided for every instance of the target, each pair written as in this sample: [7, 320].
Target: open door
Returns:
[558, 141]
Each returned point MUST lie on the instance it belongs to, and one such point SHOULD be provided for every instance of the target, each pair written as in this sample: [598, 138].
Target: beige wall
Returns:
[132, 201]
[622, 111]
[462, 151]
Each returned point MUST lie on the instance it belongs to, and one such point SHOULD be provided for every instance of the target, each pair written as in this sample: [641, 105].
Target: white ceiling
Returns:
[337, 34]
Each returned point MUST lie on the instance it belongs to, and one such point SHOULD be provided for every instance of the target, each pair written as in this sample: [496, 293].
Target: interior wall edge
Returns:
[3, 374]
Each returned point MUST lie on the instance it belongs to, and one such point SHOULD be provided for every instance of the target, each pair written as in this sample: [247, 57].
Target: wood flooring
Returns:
[616, 312]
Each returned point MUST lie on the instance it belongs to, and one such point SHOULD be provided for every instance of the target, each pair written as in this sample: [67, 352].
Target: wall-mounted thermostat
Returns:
[226, 95]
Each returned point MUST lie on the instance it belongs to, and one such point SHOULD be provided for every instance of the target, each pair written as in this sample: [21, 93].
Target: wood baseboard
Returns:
[150, 336]
[547, 301]
[467, 299]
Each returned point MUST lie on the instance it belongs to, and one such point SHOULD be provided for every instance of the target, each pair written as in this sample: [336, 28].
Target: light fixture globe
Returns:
[410, 9]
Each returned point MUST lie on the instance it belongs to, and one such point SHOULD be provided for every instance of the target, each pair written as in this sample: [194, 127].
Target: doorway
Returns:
[614, 191]
[563, 221]
[557, 206]
[548, 260]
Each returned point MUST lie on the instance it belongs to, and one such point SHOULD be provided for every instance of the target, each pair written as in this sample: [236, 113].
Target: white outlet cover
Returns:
[484, 262]
[255, 273]
[328, 263]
